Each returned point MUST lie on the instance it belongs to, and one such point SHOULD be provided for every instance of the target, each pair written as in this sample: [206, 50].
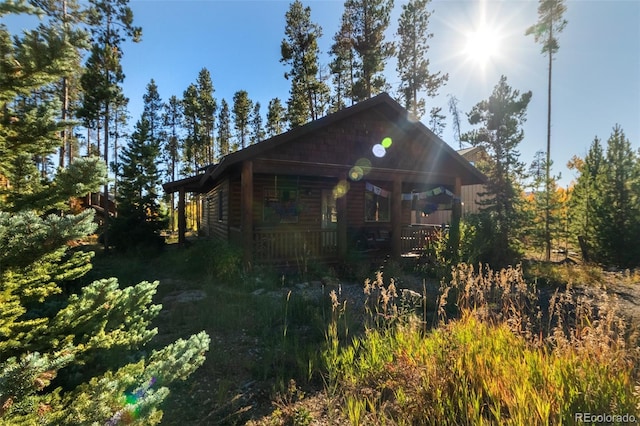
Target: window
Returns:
[376, 207]
[329, 209]
[220, 205]
[281, 206]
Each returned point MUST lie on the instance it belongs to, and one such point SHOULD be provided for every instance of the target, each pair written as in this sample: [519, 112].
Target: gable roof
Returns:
[381, 102]
[467, 151]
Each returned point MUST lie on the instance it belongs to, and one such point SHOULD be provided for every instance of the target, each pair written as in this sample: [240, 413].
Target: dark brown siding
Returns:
[215, 223]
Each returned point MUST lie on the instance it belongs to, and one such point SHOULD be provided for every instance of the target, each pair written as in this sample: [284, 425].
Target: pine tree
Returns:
[30, 66]
[68, 359]
[224, 129]
[369, 20]
[257, 131]
[413, 65]
[192, 143]
[538, 201]
[300, 51]
[242, 106]
[500, 119]
[65, 17]
[111, 24]
[207, 107]
[139, 219]
[276, 118]
[152, 112]
[436, 120]
[617, 218]
[550, 24]
[455, 118]
[171, 118]
[343, 65]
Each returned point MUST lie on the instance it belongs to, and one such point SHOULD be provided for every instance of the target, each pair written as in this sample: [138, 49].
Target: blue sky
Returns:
[596, 81]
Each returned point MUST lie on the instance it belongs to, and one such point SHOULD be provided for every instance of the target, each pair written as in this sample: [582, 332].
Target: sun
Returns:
[482, 45]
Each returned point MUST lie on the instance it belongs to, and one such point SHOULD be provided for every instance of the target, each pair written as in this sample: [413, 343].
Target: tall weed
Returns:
[496, 357]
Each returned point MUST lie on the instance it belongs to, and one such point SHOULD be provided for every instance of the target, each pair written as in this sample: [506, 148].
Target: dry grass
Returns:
[496, 357]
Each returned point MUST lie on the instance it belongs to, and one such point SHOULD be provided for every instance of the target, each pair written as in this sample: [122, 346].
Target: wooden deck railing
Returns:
[417, 238]
[278, 246]
[287, 245]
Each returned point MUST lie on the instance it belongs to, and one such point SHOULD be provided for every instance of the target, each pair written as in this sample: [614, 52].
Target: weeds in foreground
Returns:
[496, 357]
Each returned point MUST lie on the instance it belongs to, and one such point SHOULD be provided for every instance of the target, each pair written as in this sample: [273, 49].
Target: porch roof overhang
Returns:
[195, 183]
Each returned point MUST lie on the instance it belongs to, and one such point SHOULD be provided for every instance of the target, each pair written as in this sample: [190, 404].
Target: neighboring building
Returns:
[469, 194]
[350, 179]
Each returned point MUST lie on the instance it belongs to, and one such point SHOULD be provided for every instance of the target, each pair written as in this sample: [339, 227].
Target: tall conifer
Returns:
[224, 129]
[276, 118]
[413, 64]
[545, 31]
[299, 50]
[242, 107]
[500, 120]
[68, 359]
[369, 19]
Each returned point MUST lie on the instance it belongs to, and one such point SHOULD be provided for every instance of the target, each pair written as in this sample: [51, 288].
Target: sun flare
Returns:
[482, 45]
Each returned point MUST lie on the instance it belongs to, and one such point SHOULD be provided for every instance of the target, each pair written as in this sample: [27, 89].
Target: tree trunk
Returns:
[105, 201]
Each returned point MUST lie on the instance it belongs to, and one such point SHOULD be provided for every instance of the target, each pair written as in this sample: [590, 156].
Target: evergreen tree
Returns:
[585, 197]
[30, 66]
[111, 24]
[152, 112]
[455, 116]
[500, 119]
[257, 131]
[369, 20]
[139, 220]
[207, 107]
[343, 65]
[242, 107]
[436, 121]
[550, 24]
[276, 118]
[617, 218]
[171, 119]
[413, 65]
[299, 50]
[190, 112]
[67, 359]
[66, 16]
[224, 129]
[538, 200]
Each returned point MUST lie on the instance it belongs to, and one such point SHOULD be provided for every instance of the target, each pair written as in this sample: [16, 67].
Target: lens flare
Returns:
[386, 142]
[364, 164]
[379, 150]
[341, 189]
[356, 173]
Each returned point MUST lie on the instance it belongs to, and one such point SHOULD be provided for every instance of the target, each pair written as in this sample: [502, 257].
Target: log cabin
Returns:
[349, 180]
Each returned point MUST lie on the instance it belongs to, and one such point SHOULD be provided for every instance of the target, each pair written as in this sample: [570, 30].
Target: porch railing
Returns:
[417, 238]
[294, 245]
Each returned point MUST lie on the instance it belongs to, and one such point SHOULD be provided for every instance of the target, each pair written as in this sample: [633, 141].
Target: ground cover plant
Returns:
[491, 346]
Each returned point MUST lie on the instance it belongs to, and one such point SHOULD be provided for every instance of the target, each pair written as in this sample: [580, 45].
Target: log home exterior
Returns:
[342, 180]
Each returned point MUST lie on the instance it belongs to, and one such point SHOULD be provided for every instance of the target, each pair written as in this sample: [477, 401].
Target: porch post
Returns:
[246, 215]
[456, 214]
[396, 218]
[341, 210]
[182, 218]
